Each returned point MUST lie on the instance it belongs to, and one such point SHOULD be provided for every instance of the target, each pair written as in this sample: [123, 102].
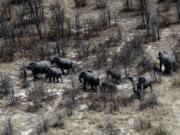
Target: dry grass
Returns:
[176, 81]
[161, 130]
[149, 101]
[142, 124]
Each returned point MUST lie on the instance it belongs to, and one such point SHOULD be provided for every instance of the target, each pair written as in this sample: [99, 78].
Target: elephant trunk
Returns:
[130, 78]
[27, 67]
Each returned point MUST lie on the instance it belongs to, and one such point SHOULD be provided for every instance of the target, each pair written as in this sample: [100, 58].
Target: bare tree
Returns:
[58, 19]
[6, 85]
[128, 5]
[145, 13]
[36, 10]
[178, 11]
[42, 126]
[101, 55]
[8, 129]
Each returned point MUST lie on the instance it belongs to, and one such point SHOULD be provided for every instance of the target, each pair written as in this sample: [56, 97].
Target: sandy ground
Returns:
[87, 122]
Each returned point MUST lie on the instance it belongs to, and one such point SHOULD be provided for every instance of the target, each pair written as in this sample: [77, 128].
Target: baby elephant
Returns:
[141, 83]
[89, 77]
[114, 75]
[108, 87]
[54, 73]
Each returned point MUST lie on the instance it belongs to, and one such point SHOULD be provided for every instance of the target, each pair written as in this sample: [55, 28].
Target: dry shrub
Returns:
[8, 128]
[6, 85]
[37, 94]
[142, 124]
[6, 53]
[110, 128]
[124, 100]
[131, 49]
[60, 120]
[146, 63]
[149, 101]
[42, 126]
[105, 102]
[96, 103]
[164, 21]
[69, 105]
[176, 81]
[161, 130]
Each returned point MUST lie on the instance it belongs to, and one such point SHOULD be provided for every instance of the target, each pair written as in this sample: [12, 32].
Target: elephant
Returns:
[63, 64]
[54, 73]
[108, 87]
[38, 67]
[167, 60]
[141, 83]
[90, 77]
[114, 75]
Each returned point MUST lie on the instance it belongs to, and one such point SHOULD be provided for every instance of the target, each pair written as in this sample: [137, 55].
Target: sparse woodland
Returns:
[89, 67]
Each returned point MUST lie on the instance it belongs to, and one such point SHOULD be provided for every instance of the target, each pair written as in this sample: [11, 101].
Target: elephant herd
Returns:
[56, 66]
[53, 68]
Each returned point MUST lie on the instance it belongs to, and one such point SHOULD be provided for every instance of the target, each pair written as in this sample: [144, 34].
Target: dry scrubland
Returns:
[96, 36]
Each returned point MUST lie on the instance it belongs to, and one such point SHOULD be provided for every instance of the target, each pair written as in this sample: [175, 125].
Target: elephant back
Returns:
[56, 71]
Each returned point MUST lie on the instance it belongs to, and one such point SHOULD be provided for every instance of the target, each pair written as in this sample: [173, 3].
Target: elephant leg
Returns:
[34, 76]
[50, 78]
[46, 76]
[167, 69]
[160, 66]
[57, 78]
[62, 71]
[84, 86]
[61, 79]
[68, 71]
[96, 87]
[54, 78]
[92, 86]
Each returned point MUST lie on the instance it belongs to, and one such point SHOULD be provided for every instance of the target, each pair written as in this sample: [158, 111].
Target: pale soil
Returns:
[84, 122]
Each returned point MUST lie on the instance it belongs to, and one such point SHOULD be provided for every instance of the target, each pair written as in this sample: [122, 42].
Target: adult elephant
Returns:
[167, 60]
[54, 73]
[90, 77]
[63, 64]
[141, 83]
[38, 67]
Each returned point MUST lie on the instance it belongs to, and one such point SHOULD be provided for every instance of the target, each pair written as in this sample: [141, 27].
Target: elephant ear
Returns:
[142, 80]
[160, 54]
[81, 75]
